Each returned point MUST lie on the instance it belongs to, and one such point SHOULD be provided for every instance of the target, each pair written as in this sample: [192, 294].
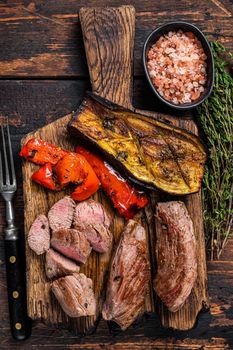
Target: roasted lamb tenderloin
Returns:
[129, 277]
[75, 295]
[176, 254]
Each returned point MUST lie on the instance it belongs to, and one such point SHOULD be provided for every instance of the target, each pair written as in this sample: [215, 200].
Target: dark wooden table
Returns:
[43, 75]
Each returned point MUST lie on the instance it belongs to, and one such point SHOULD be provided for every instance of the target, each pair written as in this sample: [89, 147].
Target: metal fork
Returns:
[14, 251]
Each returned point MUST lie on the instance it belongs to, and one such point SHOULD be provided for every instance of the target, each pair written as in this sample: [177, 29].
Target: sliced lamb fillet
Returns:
[129, 277]
[39, 235]
[99, 237]
[91, 218]
[71, 243]
[57, 265]
[75, 295]
[176, 254]
[90, 212]
[61, 214]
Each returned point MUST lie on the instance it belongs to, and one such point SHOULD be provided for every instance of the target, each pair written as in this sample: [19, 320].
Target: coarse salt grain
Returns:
[177, 66]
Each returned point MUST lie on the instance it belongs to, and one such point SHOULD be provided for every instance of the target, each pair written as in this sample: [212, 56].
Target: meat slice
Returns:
[91, 218]
[57, 265]
[129, 276]
[176, 254]
[71, 243]
[75, 295]
[61, 214]
[39, 235]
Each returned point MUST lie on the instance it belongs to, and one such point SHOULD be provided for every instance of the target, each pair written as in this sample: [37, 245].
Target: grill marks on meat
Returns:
[75, 295]
[61, 214]
[71, 243]
[57, 265]
[129, 276]
[91, 218]
[176, 254]
[39, 235]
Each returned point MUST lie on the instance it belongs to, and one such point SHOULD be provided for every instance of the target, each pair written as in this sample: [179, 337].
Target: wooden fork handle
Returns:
[16, 285]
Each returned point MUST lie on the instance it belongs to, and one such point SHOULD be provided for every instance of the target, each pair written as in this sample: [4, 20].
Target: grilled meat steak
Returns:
[75, 295]
[56, 265]
[71, 243]
[129, 276]
[39, 235]
[176, 254]
[61, 214]
[148, 151]
[91, 218]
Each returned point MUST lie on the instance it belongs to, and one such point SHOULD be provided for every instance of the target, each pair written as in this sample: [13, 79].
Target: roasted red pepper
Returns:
[41, 152]
[89, 186]
[45, 177]
[126, 199]
[74, 168]
[71, 168]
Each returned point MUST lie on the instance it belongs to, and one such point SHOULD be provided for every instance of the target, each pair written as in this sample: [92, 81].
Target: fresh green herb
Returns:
[216, 119]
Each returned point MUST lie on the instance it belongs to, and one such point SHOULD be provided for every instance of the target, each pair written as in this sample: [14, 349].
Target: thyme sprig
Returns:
[216, 119]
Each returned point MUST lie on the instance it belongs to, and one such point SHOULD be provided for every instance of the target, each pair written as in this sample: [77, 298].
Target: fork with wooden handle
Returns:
[14, 253]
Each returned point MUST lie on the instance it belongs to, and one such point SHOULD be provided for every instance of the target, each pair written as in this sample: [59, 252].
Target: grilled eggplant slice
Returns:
[149, 152]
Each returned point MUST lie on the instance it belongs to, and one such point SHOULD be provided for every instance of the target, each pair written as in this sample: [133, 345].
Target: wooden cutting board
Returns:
[108, 35]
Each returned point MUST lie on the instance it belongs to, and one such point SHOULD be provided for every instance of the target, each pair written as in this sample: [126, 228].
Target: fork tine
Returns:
[5, 157]
[11, 155]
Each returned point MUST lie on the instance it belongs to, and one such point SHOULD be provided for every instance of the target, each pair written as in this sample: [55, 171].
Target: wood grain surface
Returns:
[108, 35]
[32, 104]
[41, 40]
[108, 39]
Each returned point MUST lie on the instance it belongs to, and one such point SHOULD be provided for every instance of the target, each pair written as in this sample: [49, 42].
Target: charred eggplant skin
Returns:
[86, 141]
[150, 153]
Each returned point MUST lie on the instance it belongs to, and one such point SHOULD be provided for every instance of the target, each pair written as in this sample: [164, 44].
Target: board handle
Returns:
[108, 35]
